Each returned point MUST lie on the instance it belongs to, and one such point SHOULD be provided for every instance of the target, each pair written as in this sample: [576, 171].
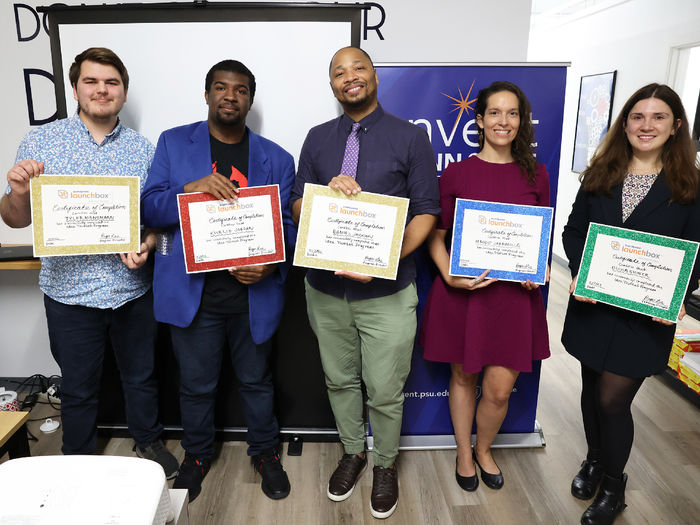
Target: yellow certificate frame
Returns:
[85, 198]
[350, 208]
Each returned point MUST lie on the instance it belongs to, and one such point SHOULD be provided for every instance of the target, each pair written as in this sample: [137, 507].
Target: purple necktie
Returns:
[352, 152]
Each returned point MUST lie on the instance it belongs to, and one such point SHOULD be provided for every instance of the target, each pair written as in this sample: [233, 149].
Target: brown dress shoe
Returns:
[346, 474]
[385, 492]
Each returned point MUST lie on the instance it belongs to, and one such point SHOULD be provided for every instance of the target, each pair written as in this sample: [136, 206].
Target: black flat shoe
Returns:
[468, 483]
[492, 481]
[587, 480]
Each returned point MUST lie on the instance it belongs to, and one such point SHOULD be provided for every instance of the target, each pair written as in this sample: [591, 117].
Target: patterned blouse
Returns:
[634, 189]
[67, 148]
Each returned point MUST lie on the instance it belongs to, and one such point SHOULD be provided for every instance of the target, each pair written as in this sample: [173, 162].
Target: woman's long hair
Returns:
[609, 165]
[521, 147]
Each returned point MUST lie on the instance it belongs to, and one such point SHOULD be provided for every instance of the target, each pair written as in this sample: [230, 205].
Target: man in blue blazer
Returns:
[237, 309]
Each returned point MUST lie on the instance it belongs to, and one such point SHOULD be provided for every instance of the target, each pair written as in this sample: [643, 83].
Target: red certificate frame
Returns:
[192, 266]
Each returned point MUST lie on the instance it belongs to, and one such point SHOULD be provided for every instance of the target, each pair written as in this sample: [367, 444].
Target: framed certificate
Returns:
[84, 214]
[638, 271]
[511, 240]
[359, 233]
[219, 234]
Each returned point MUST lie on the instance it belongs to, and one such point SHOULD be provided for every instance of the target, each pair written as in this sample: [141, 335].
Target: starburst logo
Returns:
[462, 104]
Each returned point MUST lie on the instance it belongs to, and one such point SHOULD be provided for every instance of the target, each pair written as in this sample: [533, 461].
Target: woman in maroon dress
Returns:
[483, 325]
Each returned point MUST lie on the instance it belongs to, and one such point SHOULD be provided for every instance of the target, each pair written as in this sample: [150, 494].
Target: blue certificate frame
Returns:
[503, 226]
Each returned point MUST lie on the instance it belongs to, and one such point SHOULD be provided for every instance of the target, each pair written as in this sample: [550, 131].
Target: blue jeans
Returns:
[199, 350]
[78, 337]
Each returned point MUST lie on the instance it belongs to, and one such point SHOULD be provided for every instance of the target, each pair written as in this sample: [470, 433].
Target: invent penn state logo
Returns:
[463, 104]
[452, 139]
[482, 219]
[333, 207]
[211, 208]
[615, 245]
[62, 194]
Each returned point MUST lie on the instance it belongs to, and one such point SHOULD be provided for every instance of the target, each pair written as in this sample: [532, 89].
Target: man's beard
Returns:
[232, 121]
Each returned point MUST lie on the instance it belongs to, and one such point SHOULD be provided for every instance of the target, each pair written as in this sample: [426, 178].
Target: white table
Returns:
[83, 490]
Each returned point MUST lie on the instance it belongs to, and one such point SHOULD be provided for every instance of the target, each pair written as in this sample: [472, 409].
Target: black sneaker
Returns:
[157, 452]
[275, 483]
[192, 472]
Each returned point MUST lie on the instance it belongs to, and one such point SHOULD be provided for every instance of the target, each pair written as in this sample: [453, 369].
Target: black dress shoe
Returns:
[586, 481]
[608, 503]
[468, 483]
[492, 481]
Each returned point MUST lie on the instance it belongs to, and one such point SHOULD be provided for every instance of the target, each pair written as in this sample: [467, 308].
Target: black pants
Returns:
[606, 401]
[200, 349]
[78, 336]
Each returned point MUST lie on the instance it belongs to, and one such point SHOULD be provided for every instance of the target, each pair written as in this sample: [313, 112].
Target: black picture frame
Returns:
[595, 100]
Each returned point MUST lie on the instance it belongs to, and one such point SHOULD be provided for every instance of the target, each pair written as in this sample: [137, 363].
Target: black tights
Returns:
[606, 399]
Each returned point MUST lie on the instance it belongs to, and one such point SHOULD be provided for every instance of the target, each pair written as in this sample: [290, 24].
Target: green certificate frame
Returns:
[85, 214]
[360, 233]
[637, 271]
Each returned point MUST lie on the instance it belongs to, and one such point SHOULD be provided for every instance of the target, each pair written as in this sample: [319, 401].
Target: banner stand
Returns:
[445, 108]
[442, 442]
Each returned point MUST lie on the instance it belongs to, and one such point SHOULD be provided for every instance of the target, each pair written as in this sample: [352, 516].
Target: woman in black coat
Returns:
[643, 177]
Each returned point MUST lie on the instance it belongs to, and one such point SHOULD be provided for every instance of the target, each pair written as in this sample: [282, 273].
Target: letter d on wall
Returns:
[33, 121]
[37, 25]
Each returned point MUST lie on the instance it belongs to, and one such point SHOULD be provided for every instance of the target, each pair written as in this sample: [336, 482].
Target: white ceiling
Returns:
[547, 12]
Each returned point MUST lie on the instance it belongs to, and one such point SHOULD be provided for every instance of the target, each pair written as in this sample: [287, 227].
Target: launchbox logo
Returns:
[81, 194]
[638, 250]
[350, 210]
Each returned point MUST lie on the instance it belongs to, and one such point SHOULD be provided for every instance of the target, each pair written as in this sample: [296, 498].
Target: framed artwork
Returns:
[595, 101]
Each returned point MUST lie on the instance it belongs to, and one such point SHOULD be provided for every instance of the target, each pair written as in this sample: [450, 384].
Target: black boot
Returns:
[586, 481]
[609, 502]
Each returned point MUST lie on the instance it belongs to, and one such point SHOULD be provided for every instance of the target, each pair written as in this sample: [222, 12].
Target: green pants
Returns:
[369, 340]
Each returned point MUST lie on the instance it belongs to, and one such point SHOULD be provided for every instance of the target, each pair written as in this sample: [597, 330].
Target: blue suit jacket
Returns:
[183, 155]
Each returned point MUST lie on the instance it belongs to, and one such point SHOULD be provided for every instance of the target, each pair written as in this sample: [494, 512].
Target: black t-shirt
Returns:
[223, 293]
[231, 160]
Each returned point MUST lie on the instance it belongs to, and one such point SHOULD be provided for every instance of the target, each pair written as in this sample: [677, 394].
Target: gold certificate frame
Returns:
[360, 233]
[85, 215]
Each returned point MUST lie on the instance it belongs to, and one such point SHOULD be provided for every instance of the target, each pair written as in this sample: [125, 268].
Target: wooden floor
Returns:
[664, 468]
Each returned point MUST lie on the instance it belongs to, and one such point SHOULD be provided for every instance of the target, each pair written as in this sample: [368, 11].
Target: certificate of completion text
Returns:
[218, 234]
[78, 215]
[510, 240]
[634, 270]
[362, 233]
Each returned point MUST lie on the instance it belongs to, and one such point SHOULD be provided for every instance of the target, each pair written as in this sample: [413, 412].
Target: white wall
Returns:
[636, 38]
[24, 340]
[412, 31]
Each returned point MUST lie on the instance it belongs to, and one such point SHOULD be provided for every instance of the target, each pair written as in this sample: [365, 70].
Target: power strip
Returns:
[44, 396]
